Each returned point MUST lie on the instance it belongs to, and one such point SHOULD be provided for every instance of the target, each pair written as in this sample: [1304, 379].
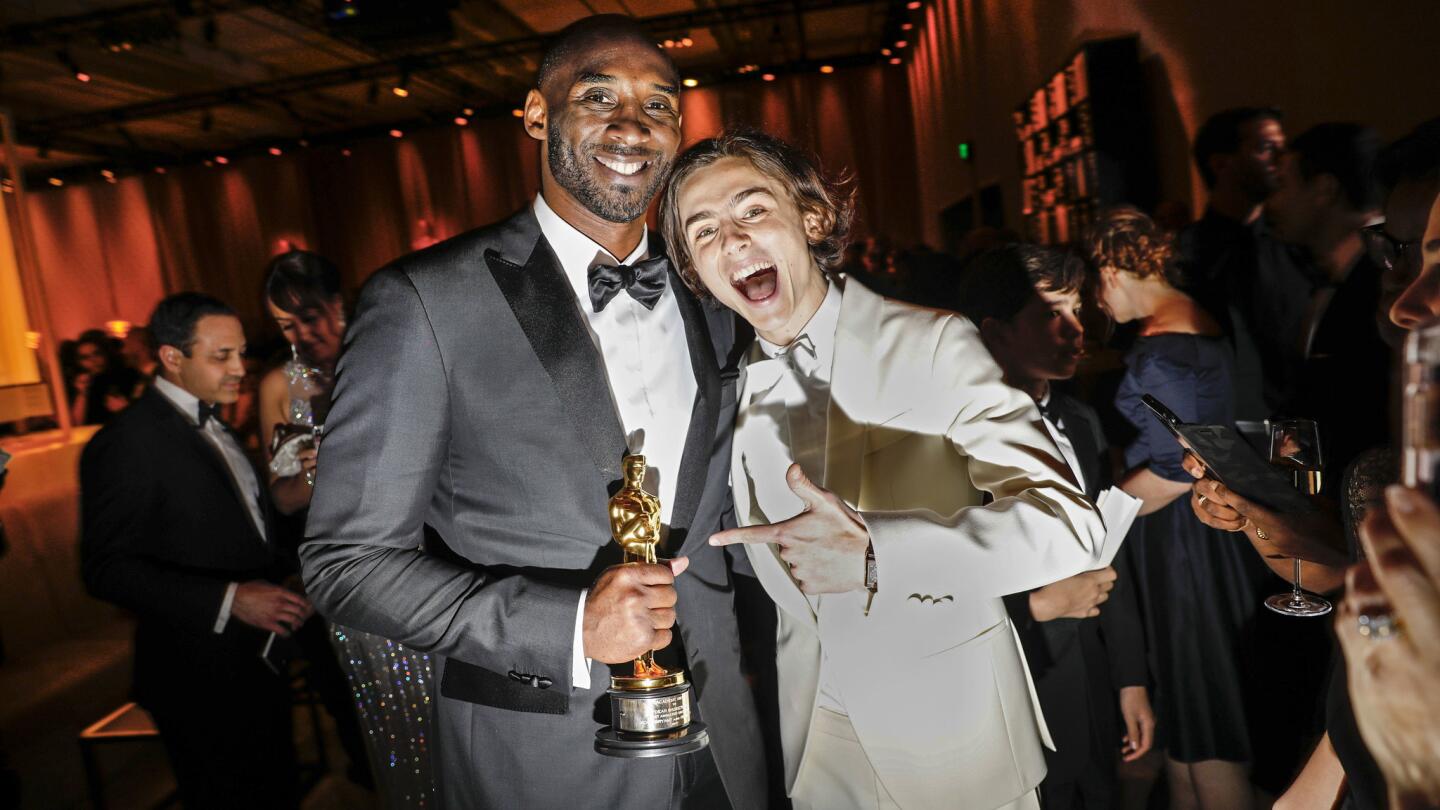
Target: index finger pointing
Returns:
[748, 536]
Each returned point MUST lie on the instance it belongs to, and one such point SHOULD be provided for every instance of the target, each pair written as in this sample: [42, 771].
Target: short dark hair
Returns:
[1346, 151]
[584, 33]
[1220, 135]
[173, 321]
[999, 282]
[1413, 158]
[298, 280]
[96, 337]
[796, 170]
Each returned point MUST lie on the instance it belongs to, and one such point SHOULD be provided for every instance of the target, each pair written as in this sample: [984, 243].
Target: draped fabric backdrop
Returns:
[111, 251]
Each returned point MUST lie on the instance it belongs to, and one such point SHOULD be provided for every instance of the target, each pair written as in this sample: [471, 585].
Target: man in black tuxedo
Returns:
[176, 529]
[489, 389]
[1026, 302]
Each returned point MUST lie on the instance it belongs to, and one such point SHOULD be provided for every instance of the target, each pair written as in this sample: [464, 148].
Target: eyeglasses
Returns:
[1384, 249]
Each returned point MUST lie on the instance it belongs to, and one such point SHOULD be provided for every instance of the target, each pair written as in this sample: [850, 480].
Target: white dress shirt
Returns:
[235, 459]
[647, 363]
[804, 387]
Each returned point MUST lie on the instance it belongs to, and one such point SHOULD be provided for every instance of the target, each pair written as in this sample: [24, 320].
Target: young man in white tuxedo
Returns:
[868, 433]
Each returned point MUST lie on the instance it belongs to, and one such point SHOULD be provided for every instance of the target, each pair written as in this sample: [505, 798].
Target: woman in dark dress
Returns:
[1199, 589]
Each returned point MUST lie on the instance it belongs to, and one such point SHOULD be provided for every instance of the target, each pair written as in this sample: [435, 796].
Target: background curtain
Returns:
[111, 251]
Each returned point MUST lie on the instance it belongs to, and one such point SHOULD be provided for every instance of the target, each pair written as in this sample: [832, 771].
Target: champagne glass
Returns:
[1295, 446]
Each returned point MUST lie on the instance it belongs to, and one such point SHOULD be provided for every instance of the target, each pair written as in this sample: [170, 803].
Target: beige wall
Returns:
[1318, 60]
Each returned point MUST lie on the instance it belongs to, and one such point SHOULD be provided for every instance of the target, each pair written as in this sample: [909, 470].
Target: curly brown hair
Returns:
[797, 171]
[1129, 241]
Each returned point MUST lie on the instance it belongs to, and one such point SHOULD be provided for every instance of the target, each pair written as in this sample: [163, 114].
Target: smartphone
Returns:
[1229, 459]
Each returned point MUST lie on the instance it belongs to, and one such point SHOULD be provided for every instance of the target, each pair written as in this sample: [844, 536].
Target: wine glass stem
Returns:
[1297, 578]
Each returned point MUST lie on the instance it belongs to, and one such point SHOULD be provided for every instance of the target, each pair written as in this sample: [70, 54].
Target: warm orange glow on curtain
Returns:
[17, 360]
[109, 252]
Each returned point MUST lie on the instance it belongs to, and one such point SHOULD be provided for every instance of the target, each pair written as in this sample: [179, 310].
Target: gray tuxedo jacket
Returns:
[460, 507]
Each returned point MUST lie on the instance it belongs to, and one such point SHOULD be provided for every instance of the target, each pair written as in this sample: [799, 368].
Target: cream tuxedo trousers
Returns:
[838, 776]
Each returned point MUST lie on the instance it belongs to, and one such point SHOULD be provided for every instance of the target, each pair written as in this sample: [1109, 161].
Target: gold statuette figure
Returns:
[635, 525]
[650, 711]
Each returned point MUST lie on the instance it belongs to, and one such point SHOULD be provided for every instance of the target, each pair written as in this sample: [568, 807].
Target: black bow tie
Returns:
[205, 413]
[645, 281]
[1049, 411]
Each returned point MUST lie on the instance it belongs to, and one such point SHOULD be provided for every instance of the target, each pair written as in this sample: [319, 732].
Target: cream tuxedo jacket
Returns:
[920, 425]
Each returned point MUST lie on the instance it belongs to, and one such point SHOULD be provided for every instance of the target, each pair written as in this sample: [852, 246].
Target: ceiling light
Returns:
[469, 111]
[906, 26]
[518, 113]
[395, 133]
[222, 160]
[686, 42]
[56, 182]
[884, 51]
[769, 77]
[276, 151]
[69, 63]
[827, 68]
[669, 43]
[108, 174]
[900, 43]
[461, 120]
[159, 169]
[914, 5]
[691, 82]
[894, 60]
[400, 91]
[345, 152]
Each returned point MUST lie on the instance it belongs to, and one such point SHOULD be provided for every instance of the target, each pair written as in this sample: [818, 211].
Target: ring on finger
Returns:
[1378, 626]
[1260, 533]
[1203, 499]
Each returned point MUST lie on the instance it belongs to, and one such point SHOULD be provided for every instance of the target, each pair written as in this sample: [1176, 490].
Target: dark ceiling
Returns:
[134, 85]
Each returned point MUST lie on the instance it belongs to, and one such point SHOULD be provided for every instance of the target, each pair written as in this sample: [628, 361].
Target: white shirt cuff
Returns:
[580, 665]
[225, 605]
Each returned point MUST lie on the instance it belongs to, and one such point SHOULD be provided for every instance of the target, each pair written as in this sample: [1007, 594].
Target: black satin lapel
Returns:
[544, 305]
[1077, 430]
[695, 464]
[191, 434]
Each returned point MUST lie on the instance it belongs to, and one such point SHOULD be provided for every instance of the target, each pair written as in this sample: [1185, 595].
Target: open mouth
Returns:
[756, 281]
[623, 166]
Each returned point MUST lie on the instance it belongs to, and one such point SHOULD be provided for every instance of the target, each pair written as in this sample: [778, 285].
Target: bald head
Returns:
[564, 56]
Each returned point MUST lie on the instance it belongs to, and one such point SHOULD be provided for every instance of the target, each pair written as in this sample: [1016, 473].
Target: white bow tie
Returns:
[800, 355]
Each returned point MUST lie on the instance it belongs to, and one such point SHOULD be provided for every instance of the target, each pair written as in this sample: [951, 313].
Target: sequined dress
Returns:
[390, 684]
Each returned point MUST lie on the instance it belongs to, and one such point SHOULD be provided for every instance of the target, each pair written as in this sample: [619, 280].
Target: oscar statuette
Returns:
[650, 710]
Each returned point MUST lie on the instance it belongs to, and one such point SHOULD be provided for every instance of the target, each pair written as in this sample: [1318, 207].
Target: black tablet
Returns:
[1231, 461]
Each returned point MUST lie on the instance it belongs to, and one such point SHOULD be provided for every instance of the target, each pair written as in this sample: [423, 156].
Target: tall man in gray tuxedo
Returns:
[481, 412]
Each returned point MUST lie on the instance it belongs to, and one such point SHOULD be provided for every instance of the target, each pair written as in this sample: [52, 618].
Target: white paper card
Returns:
[1118, 510]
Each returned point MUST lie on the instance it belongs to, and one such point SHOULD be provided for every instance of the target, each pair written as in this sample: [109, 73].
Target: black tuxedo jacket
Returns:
[1080, 664]
[164, 530]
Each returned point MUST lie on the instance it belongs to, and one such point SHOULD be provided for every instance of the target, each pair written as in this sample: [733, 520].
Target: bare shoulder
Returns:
[273, 385]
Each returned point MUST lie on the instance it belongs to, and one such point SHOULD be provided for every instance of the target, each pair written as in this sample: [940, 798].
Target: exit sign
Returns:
[964, 149]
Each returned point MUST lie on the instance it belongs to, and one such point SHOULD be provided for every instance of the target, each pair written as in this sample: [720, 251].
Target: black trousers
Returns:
[1090, 789]
[231, 742]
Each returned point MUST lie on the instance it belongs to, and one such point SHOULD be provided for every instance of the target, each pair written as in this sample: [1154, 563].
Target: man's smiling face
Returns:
[613, 126]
